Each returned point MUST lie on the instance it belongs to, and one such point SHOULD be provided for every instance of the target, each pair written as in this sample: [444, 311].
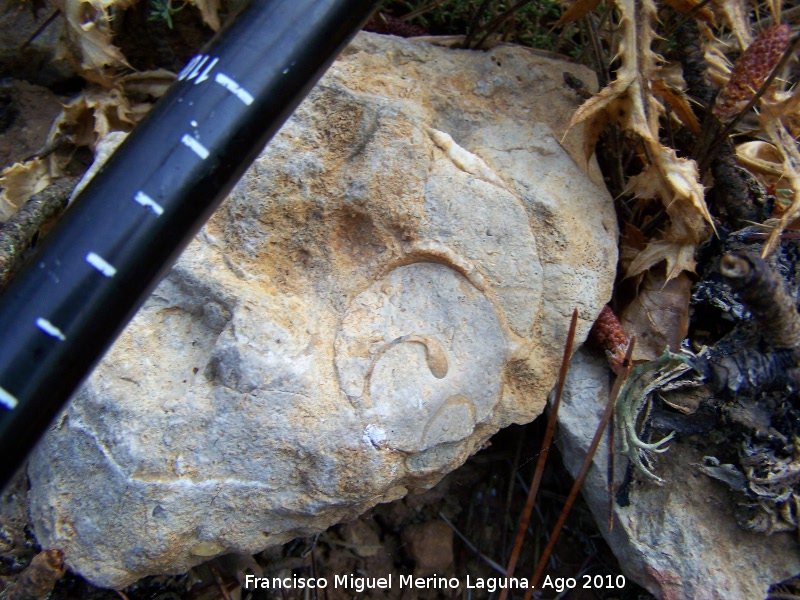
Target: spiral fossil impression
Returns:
[409, 351]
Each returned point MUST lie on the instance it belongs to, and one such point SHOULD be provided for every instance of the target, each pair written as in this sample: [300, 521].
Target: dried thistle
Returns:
[629, 101]
[751, 71]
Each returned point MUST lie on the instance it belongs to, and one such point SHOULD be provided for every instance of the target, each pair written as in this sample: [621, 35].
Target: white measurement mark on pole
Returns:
[147, 201]
[234, 88]
[195, 68]
[101, 264]
[195, 146]
[50, 329]
[9, 400]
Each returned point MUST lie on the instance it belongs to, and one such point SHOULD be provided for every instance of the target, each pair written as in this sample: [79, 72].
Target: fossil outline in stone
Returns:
[435, 356]
[428, 306]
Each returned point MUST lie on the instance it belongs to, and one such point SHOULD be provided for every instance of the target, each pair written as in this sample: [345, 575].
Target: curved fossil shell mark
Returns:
[420, 353]
[435, 354]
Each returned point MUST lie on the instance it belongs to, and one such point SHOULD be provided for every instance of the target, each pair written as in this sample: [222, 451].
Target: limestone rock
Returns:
[389, 284]
[679, 540]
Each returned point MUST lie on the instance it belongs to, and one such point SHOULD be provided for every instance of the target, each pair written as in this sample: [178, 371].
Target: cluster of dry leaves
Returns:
[649, 96]
[116, 97]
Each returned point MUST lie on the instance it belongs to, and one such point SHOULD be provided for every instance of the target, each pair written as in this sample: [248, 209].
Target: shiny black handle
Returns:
[60, 314]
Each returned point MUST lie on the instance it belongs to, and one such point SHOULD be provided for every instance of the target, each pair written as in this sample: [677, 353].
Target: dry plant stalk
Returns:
[764, 294]
[544, 452]
[773, 363]
[17, 234]
[579, 479]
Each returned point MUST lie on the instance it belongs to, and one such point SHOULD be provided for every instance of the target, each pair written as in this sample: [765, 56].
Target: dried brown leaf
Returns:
[209, 9]
[84, 122]
[686, 6]
[659, 315]
[22, 180]
[91, 116]
[89, 35]
[580, 9]
[678, 256]
[679, 104]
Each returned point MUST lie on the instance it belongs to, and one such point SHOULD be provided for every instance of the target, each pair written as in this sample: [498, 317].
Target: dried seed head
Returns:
[750, 71]
[608, 333]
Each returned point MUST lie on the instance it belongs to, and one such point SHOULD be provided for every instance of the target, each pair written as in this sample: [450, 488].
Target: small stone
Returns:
[430, 546]
[362, 537]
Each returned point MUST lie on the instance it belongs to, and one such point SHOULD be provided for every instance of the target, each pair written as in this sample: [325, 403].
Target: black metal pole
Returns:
[96, 268]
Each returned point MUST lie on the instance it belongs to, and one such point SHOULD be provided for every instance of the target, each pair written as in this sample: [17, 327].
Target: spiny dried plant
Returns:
[647, 108]
[630, 102]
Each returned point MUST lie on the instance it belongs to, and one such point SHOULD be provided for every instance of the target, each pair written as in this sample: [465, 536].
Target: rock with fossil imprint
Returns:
[389, 285]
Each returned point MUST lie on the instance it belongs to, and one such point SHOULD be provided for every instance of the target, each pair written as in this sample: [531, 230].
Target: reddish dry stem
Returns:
[545, 450]
[579, 479]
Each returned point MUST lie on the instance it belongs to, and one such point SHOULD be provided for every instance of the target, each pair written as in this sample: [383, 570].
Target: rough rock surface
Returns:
[389, 285]
[678, 540]
[25, 50]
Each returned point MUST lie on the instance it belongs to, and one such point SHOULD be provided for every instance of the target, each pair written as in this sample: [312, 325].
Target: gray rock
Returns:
[26, 52]
[678, 540]
[389, 285]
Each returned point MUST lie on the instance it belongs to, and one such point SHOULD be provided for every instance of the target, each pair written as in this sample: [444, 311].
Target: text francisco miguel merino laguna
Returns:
[360, 584]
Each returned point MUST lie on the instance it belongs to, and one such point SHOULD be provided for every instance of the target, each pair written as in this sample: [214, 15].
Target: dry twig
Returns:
[545, 450]
[587, 462]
